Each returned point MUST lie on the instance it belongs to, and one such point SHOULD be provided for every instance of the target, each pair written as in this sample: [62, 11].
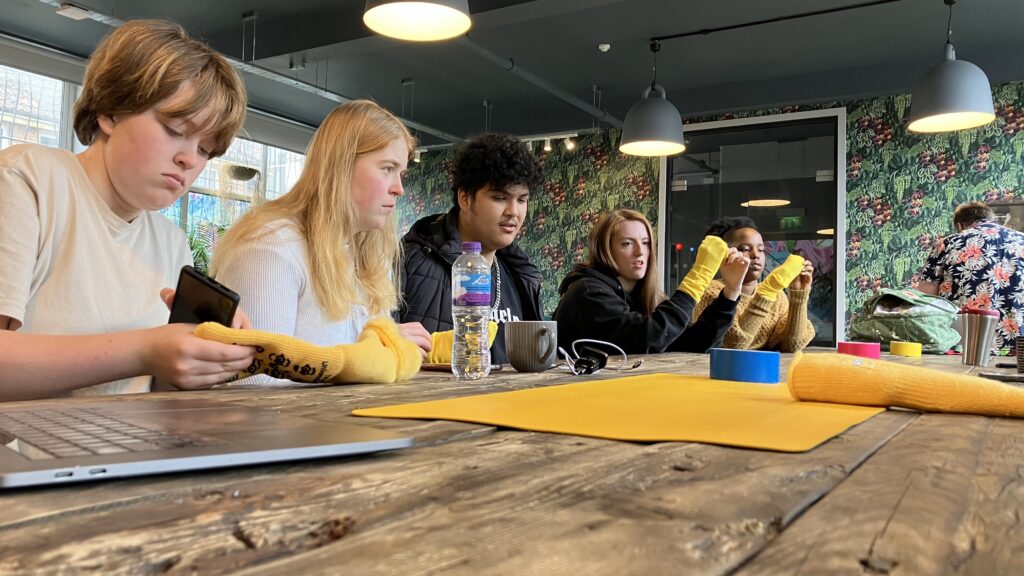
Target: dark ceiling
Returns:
[863, 52]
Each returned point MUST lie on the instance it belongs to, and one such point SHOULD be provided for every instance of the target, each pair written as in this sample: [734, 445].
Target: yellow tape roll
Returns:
[911, 349]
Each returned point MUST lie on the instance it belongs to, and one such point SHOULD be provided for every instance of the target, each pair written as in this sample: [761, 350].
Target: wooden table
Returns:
[903, 493]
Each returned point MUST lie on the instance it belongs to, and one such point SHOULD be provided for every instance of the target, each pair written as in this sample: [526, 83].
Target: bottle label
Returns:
[472, 289]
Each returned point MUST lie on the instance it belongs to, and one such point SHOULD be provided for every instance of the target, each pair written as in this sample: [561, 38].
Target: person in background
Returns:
[87, 259]
[766, 318]
[319, 262]
[616, 295]
[980, 266]
[492, 176]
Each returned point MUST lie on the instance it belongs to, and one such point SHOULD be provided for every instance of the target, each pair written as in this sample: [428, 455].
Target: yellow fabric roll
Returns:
[442, 344]
[379, 355]
[843, 379]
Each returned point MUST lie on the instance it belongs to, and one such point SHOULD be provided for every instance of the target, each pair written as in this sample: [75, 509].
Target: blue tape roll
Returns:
[745, 365]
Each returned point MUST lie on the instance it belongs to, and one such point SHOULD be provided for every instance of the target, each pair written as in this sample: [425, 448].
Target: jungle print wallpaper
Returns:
[579, 185]
[901, 188]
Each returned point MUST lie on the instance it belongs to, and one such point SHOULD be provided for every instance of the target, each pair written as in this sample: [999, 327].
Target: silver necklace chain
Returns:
[497, 286]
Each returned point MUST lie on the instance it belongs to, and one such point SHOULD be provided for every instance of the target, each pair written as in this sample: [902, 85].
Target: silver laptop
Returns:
[58, 442]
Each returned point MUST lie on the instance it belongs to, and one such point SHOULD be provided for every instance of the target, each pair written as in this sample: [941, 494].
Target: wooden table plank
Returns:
[471, 499]
[943, 497]
[508, 503]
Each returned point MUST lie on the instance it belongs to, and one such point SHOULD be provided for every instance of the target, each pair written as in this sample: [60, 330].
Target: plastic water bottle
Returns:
[471, 313]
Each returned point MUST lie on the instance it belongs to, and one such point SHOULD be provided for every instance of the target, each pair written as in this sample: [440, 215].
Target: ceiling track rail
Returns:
[510, 66]
[707, 31]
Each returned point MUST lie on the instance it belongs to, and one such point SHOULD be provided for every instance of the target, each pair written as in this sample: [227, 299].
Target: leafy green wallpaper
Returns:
[901, 188]
[579, 185]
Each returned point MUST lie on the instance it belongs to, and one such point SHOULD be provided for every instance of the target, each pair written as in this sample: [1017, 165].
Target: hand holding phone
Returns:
[199, 298]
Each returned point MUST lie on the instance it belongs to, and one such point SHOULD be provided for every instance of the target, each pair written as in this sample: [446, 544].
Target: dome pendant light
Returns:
[653, 126]
[423, 21]
[952, 95]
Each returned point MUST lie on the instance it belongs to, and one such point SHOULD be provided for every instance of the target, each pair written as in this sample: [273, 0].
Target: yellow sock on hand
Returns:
[842, 379]
[709, 259]
[782, 276]
[379, 355]
[442, 344]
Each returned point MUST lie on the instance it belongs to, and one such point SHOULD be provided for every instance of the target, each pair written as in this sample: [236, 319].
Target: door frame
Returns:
[840, 178]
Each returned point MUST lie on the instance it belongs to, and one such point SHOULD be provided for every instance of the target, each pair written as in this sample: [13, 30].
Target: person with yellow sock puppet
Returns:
[615, 295]
[766, 318]
[317, 268]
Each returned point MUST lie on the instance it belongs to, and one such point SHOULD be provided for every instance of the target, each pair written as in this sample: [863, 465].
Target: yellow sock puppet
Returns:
[379, 355]
[442, 344]
[709, 259]
[781, 277]
[843, 379]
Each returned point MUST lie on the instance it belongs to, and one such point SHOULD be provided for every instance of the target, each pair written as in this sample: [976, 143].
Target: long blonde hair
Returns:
[320, 205]
[599, 244]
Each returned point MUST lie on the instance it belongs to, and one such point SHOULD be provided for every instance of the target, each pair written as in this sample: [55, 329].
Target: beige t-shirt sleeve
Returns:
[19, 242]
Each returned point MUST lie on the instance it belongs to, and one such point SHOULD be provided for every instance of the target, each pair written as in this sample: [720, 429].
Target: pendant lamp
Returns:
[423, 21]
[952, 95]
[653, 126]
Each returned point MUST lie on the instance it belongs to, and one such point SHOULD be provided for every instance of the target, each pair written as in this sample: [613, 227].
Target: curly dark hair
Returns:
[498, 160]
[725, 226]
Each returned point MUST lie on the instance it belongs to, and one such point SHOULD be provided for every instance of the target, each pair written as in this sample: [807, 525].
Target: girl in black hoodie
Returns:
[616, 296]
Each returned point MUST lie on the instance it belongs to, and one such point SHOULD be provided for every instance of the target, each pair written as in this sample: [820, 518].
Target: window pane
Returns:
[30, 108]
[173, 212]
[236, 173]
[204, 210]
[283, 169]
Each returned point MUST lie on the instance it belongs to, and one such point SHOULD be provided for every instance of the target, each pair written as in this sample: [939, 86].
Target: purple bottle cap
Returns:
[470, 246]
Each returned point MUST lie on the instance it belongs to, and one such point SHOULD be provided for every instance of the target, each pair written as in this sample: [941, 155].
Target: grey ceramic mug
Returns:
[532, 346]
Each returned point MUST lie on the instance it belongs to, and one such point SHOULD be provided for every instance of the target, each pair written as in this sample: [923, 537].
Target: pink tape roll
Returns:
[863, 349]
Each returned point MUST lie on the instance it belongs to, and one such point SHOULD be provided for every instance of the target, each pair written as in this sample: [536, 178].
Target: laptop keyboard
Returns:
[83, 432]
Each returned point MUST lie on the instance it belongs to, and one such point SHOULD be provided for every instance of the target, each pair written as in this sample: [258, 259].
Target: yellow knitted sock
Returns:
[709, 258]
[842, 379]
[379, 355]
[442, 344]
[782, 276]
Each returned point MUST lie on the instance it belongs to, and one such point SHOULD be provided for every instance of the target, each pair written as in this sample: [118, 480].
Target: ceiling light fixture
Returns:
[653, 126]
[952, 95]
[765, 203]
[422, 21]
[570, 144]
[74, 12]
[547, 144]
[416, 155]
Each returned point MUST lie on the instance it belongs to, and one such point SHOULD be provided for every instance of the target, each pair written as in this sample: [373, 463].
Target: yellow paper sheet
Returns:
[653, 408]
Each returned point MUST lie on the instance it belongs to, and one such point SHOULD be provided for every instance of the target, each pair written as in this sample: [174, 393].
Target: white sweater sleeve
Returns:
[269, 274]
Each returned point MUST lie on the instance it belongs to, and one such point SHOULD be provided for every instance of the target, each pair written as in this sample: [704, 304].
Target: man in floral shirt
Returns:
[980, 266]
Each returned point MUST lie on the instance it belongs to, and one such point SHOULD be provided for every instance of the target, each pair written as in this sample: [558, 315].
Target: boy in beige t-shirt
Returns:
[84, 254]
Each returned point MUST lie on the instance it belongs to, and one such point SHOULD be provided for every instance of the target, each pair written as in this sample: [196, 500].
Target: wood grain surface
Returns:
[901, 493]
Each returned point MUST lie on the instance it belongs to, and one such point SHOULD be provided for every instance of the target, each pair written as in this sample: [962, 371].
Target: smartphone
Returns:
[199, 298]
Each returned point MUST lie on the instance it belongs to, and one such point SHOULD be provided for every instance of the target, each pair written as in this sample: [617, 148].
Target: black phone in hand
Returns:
[199, 298]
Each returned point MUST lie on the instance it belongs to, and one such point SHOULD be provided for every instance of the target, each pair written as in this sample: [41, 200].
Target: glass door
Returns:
[780, 171]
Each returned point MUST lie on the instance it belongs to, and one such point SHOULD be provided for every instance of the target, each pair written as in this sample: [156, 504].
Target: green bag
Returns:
[910, 316]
